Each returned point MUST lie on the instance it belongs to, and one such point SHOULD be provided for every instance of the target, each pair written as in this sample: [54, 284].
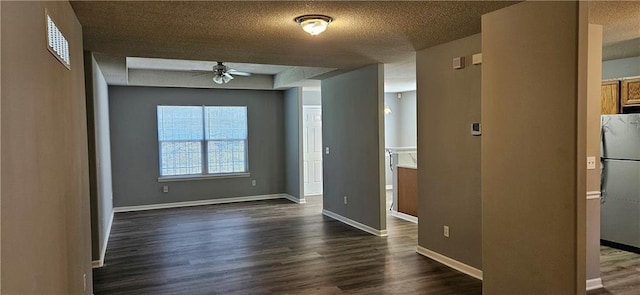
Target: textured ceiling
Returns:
[264, 32]
[198, 65]
[621, 27]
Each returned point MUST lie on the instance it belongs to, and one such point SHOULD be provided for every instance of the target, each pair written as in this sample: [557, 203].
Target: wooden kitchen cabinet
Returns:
[408, 191]
[630, 92]
[610, 98]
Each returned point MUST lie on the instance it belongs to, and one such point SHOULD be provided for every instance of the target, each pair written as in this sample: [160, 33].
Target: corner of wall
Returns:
[353, 132]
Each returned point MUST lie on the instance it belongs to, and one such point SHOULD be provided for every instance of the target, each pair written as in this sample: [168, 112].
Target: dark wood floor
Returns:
[266, 247]
[278, 247]
[620, 272]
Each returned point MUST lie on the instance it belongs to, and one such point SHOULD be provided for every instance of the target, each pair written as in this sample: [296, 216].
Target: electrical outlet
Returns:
[345, 200]
[165, 188]
[326, 150]
[253, 182]
[446, 231]
[591, 163]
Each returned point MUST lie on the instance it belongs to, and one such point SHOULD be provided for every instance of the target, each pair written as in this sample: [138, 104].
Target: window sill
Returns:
[202, 177]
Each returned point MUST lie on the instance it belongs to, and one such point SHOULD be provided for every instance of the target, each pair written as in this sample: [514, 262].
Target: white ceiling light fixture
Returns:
[314, 24]
[222, 78]
[221, 73]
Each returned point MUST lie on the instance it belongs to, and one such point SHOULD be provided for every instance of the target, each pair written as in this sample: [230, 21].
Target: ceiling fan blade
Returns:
[200, 73]
[238, 73]
[228, 75]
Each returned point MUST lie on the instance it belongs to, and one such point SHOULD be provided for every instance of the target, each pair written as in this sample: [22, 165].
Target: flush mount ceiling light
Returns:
[313, 24]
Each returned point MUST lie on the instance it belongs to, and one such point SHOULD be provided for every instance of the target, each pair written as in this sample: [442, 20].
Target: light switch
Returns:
[326, 150]
[591, 163]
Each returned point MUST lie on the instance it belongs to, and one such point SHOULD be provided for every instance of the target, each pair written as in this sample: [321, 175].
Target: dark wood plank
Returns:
[266, 247]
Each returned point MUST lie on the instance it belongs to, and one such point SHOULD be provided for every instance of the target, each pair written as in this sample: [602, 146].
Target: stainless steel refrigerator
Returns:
[620, 203]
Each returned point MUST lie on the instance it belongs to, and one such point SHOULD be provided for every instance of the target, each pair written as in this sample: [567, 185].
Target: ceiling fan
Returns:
[223, 74]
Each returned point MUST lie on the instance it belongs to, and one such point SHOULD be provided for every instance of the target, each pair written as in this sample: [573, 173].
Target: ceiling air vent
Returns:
[57, 43]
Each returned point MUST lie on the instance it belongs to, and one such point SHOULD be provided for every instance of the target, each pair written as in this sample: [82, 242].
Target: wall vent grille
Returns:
[57, 43]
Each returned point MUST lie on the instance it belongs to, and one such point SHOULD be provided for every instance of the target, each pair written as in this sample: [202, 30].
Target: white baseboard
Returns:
[199, 203]
[103, 250]
[97, 264]
[404, 216]
[592, 195]
[457, 265]
[594, 284]
[294, 199]
[389, 186]
[358, 225]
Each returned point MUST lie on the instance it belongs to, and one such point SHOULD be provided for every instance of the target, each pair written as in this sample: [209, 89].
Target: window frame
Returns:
[204, 149]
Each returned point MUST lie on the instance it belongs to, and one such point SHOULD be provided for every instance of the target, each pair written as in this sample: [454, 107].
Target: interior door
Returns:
[312, 146]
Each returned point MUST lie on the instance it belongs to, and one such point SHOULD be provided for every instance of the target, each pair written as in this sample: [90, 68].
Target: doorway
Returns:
[312, 150]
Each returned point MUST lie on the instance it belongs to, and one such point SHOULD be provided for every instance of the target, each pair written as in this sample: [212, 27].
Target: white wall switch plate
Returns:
[591, 163]
[345, 200]
[458, 63]
[253, 182]
[446, 231]
[476, 59]
[326, 150]
[165, 188]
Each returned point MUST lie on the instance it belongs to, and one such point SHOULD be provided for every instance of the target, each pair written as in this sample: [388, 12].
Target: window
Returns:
[202, 140]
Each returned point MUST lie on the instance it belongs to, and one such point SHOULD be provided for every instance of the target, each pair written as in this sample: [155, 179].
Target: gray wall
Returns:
[310, 97]
[134, 144]
[620, 68]
[99, 154]
[353, 130]
[391, 132]
[400, 125]
[46, 234]
[391, 124]
[448, 155]
[533, 142]
[293, 142]
[407, 123]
